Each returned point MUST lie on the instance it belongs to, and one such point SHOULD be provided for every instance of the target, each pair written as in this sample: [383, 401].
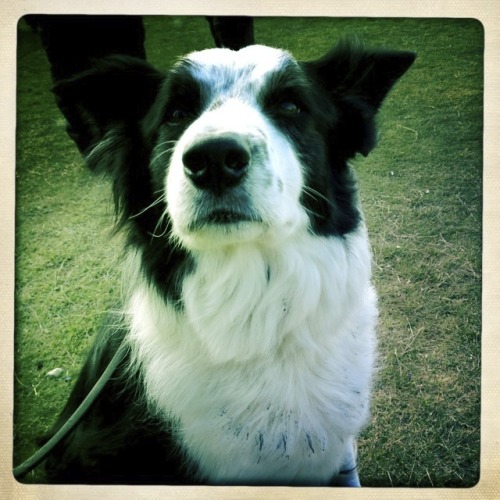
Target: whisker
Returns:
[160, 144]
[158, 156]
[158, 224]
[312, 212]
[168, 150]
[159, 200]
[315, 195]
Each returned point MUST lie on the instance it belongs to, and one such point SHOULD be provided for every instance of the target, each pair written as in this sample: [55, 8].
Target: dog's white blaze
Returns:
[274, 180]
[269, 380]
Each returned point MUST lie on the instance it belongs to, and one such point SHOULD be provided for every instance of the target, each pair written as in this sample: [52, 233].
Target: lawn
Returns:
[422, 196]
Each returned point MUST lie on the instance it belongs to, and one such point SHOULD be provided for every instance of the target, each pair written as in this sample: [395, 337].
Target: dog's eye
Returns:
[178, 115]
[289, 107]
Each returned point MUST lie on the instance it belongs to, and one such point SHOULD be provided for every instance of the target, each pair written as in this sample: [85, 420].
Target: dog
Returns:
[248, 321]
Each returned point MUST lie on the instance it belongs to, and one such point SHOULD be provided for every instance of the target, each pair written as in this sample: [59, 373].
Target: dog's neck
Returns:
[247, 300]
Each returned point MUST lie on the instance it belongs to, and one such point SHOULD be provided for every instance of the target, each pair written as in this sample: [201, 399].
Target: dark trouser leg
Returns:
[73, 42]
[232, 32]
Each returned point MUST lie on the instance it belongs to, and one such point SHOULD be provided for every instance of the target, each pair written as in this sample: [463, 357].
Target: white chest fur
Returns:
[267, 367]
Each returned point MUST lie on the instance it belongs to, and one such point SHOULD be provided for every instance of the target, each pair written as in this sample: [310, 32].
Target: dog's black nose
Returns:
[216, 163]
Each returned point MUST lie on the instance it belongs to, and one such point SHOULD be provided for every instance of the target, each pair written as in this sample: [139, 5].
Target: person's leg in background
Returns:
[73, 42]
[232, 32]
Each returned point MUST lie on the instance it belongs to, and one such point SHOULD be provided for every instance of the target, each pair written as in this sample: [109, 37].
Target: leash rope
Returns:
[40, 455]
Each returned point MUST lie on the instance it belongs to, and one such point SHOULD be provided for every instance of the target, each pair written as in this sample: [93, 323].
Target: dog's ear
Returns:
[357, 80]
[116, 91]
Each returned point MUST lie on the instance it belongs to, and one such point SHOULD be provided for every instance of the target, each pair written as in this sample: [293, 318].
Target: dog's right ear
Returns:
[117, 91]
[357, 79]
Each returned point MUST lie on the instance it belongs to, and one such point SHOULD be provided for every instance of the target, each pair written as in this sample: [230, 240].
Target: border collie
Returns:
[249, 317]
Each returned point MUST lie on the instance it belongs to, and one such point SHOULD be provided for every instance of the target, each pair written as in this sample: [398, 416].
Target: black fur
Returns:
[118, 441]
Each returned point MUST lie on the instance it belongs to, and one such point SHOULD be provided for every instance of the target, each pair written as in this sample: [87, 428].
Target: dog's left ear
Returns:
[116, 91]
[357, 80]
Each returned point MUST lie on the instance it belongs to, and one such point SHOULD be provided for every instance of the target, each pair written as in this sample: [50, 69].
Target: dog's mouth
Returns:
[222, 217]
[225, 217]
[231, 212]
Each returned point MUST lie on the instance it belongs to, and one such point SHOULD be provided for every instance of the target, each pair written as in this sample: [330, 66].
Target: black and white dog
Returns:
[249, 315]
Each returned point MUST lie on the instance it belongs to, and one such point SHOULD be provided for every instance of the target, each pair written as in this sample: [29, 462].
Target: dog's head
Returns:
[236, 146]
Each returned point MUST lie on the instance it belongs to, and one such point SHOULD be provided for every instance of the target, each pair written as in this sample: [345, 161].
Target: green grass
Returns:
[422, 195]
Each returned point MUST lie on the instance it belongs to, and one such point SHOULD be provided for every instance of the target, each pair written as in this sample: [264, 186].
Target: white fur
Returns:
[250, 365]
